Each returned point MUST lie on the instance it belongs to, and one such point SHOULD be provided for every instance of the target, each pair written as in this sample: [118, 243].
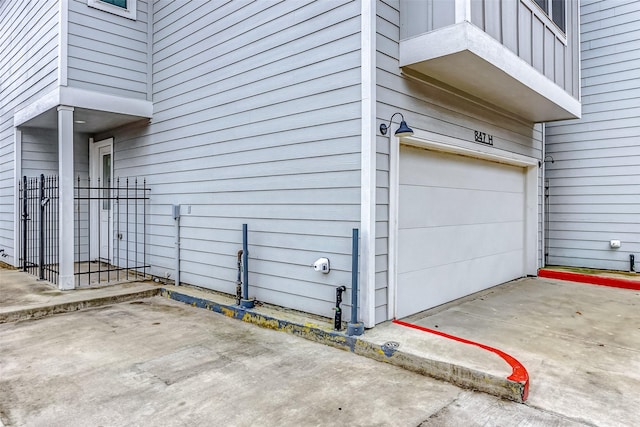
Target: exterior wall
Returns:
[593, 182]
[256, 123]
[108, 53]
[421, 16]
[519, 25]
[39, 152]
[28, 66]
[429, 108]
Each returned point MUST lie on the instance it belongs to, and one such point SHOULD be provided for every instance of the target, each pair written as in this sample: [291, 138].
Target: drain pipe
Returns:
[245, 302]
[337, 317]
[176, 218]
[354, 327]
[239, 281]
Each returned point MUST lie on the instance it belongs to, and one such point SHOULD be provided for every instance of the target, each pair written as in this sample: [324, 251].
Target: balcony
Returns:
[466, 58]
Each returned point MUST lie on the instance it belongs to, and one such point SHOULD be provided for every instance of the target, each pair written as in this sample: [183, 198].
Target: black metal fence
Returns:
[110, 221]
[39, 226]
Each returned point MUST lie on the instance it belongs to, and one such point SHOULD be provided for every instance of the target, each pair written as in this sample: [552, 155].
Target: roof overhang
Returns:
[466, 58]
[93, 111]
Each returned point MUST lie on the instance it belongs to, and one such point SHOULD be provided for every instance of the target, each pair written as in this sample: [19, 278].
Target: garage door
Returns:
[460, 227]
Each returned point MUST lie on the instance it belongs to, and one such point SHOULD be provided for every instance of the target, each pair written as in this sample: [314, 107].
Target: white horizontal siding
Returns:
[595, 179]
[255, 123]
[108, 53]
[39, 152]
[28, 66]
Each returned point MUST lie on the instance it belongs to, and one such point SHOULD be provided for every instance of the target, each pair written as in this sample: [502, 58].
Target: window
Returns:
[125, 8]
[556, 10]
[119, 3]
[106, 181]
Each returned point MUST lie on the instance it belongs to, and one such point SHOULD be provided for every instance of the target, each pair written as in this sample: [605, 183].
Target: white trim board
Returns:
[94, 168]
[63, 42]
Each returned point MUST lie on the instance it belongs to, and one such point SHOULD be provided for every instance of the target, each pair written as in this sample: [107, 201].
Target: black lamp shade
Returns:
[404, 130]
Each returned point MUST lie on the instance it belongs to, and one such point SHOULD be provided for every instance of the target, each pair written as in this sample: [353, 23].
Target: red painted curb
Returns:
[518, 373]
[612, 282]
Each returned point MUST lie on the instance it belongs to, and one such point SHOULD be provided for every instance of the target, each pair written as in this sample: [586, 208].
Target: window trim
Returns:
[129, 12]
[547, 20]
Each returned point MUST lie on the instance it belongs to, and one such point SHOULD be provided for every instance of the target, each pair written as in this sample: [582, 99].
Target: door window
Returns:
[106, 181]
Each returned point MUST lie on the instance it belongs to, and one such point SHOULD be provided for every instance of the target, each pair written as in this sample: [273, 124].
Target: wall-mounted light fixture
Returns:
[403, 130]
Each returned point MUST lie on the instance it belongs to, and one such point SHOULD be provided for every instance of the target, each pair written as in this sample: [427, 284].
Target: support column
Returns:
[367, 299]
[17, 178]
[65, 193]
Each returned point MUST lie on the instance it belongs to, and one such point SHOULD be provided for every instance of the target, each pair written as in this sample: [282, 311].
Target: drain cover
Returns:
[391, 345]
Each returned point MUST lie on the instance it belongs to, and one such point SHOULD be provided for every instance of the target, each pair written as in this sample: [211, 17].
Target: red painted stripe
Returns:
[613, 282]
[518, 371]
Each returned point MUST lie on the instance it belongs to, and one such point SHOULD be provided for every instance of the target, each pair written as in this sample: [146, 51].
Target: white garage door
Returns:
[460, 227]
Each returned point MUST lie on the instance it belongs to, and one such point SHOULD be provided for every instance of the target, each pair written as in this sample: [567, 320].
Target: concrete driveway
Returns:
[156, 362]
[580, 343]
[138, 359]
[160, 362]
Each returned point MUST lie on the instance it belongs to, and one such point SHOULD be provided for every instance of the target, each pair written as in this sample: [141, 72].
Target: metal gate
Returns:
[39, 226]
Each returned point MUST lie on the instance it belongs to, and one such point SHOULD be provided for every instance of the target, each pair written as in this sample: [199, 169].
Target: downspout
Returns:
[545, 198]
[543, 261]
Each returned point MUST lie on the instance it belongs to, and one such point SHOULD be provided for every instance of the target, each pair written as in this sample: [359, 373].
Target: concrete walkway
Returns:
[579, 343]
[23, 296]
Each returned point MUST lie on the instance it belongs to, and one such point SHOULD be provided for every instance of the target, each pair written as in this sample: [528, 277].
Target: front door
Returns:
[101, 207]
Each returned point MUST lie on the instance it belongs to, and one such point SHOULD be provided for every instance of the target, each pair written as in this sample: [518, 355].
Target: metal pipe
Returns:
[176, 217]
[239, 280]
[632, 263]
[354, 276]
[337, 318]
[245, 302]
[543, 225]
[245, 261]
[89, 193]
[354, 327]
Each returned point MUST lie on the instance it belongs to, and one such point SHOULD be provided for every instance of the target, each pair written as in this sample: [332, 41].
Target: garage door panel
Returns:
[430, 247]
[429, 168]
[460, 227]
[433, 206]
[446, 284]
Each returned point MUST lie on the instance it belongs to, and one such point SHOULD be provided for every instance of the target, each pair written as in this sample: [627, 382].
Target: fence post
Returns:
[25, 218]
[41, 242]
